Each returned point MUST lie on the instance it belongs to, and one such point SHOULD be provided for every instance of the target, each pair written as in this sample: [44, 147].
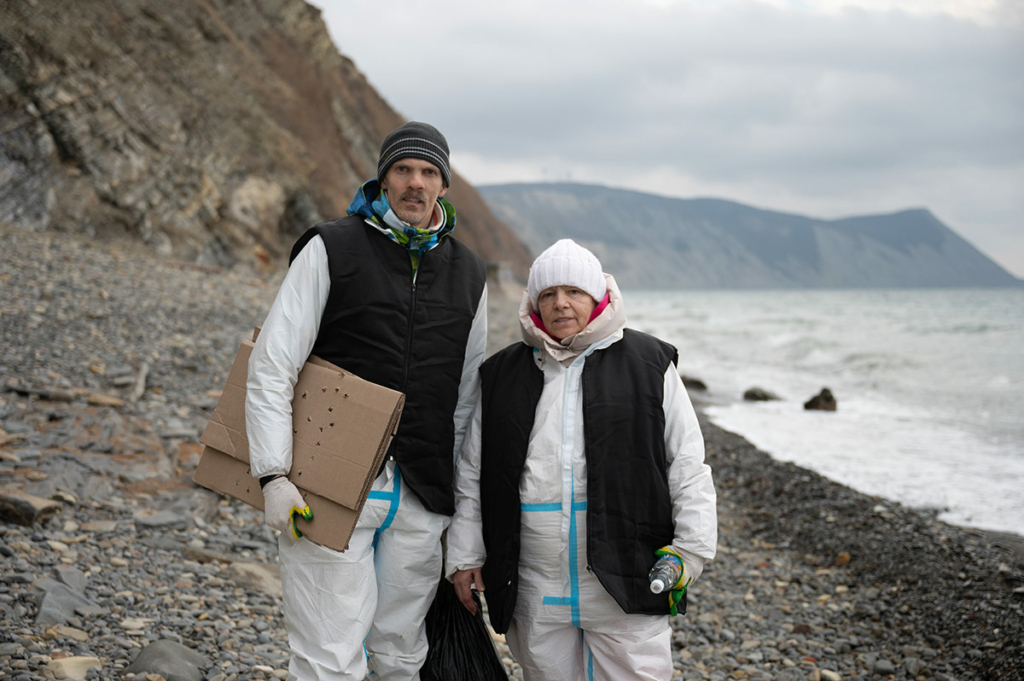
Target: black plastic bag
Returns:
[461, 648]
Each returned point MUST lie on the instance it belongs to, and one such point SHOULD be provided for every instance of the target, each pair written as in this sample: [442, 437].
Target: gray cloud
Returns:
[828, 113]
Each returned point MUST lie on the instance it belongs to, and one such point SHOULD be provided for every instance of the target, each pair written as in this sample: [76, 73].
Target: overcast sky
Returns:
[827, 108]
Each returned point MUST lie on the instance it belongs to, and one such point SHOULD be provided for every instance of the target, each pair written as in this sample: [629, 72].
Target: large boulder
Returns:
[171, 660]
[72, 667]
[756, 394]
[22, 508]
[58, 603]
[823, 401]
[260, 576]
[692, 383]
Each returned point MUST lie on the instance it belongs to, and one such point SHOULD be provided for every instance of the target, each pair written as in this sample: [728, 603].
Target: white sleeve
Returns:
[693, 490]
[465, 544]
[283, 346]
[469, 384]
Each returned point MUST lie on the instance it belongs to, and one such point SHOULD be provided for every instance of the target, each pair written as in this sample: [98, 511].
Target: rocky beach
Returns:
[114, 565]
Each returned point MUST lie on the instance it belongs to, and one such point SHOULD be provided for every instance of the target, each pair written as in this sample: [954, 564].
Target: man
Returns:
[389, 295]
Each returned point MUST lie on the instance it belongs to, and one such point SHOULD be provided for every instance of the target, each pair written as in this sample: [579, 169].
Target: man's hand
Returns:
[463, 581]
[279, 497]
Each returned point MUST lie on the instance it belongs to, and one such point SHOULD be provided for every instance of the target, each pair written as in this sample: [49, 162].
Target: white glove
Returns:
[691, 571]
[280, 496]
[693, 566]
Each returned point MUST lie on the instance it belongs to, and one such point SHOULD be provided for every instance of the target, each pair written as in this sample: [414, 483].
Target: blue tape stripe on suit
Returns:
[574, 577]
[560, 600]
[554, 506]
[394, 495]
[557, 600]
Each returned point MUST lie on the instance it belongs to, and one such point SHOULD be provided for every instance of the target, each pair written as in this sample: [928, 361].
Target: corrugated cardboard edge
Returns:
[332, 523]
[228, 472]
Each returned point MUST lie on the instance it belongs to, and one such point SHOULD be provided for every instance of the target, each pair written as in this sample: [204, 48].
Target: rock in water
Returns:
[756, 394]
[692, 383]
[823, 401]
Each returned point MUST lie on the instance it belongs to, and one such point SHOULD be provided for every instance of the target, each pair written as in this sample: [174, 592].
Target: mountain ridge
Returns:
[653, 241]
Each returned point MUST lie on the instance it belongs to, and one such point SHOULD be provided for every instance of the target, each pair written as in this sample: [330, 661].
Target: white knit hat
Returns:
[566, 263]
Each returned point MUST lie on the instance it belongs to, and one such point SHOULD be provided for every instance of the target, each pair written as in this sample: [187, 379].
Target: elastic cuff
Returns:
[267, 478]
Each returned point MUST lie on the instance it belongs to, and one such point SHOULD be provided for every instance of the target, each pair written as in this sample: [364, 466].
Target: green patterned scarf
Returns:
[371, 202]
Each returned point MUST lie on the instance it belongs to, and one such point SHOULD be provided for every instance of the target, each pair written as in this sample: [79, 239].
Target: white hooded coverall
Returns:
[566, 627]
[359, 611]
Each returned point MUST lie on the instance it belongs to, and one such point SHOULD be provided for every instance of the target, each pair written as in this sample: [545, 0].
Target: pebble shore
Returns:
[111, 361]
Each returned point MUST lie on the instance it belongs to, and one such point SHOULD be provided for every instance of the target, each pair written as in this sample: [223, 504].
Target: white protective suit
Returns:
[363, 609]
[566, 626]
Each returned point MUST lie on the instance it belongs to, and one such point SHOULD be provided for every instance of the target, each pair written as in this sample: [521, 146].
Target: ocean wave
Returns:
[877, 361]
[930, 389]
[968, 328]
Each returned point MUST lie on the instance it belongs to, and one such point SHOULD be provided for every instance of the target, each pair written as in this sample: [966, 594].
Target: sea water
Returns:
[929, 385]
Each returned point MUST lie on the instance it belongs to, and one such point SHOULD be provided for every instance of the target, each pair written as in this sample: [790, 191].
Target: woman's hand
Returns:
[464, 580]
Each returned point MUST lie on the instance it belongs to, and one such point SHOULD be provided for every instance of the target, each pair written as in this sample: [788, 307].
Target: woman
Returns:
[583, 458]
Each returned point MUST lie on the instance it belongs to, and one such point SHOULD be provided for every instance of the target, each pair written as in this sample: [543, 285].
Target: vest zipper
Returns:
[408, 338]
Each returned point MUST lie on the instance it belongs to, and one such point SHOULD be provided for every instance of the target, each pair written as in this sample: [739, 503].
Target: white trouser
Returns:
[566, 626]
[363, 609]
[634, 647]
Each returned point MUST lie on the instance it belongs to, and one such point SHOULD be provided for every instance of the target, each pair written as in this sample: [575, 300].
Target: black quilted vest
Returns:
[629, 508]
[412, 338]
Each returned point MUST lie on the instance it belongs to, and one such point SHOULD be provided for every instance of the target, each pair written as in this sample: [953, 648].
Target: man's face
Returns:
[413, 186]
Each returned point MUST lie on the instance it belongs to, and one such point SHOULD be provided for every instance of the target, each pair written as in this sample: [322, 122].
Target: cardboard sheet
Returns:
[342, 427]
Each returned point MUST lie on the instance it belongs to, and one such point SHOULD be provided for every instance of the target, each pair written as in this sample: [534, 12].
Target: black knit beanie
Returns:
[415, 140]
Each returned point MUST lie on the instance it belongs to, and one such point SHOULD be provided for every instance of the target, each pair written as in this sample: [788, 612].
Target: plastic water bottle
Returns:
[665, 574]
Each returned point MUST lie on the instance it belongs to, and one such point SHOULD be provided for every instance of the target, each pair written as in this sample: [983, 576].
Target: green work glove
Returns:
[305, 513]
[282, 502]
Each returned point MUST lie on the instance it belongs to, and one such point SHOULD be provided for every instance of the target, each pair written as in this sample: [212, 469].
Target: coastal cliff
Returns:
[214, 132]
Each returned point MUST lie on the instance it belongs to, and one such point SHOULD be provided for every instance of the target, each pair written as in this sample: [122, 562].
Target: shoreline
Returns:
[1011, 540]
[956, 589]
[813, 580]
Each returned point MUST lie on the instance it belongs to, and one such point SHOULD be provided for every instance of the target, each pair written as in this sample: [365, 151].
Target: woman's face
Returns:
[565, 310]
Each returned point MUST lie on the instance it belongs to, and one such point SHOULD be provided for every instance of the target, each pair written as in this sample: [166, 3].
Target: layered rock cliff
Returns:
[215, 131]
